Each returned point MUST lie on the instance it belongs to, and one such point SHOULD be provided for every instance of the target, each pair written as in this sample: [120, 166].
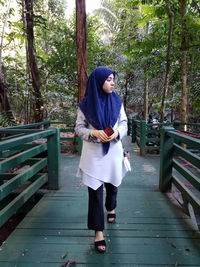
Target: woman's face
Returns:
[109, 84]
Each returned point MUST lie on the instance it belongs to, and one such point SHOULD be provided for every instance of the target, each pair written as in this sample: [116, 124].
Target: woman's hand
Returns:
[113, 136]
[101, 135]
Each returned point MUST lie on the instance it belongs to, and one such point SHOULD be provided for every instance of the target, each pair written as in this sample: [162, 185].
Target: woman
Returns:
[101, 161]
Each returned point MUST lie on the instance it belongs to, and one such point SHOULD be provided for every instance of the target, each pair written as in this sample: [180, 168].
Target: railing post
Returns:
[53, 144]
[133, 130]
[1, 152]
[166, 157]
[47, 125]
[142, 137]
[176, 125]
[129, 126]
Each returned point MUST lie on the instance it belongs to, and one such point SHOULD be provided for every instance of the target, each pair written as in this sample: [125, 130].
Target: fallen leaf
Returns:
[64, 255]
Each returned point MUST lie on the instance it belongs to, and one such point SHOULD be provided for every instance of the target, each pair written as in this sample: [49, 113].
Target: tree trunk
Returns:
[27, 117]
[34, 72]
[183, 64]
[81, 45]
[146, 87]
[168, 62]
[5, 104]
[146, 99]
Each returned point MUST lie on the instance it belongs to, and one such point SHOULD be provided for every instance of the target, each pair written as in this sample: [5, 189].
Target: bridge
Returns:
[151, 229]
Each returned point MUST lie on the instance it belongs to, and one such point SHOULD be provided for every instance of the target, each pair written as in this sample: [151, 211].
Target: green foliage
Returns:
[6, 119]
[142, 39]
[99, 54]
[129, 36]
[55, 42]
[57, 62]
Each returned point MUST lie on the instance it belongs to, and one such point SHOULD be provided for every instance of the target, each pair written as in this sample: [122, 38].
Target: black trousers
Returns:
[95, 205]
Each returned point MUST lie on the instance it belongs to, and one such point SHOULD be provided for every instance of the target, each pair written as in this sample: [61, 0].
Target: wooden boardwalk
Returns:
[150, 230]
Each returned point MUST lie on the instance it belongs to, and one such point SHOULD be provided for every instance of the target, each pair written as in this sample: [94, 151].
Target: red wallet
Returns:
[109, 131]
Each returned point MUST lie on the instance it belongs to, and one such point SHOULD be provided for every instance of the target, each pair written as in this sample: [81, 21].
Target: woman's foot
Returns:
[111, 216]
[99, 242]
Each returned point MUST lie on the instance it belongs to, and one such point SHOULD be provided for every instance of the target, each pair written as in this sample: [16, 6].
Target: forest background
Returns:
[153, 45]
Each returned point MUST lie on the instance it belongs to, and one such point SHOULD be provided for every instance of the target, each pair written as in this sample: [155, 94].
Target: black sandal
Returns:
[111, 216]
[97, 244]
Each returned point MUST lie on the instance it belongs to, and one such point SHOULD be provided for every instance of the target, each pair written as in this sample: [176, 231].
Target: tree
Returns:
[124, 45]
[32, 63]
[157, 52]
[81, 41]
[183, 63]
[168, 60]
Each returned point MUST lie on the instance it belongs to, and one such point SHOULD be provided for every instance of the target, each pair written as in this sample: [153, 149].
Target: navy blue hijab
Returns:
[100, 109]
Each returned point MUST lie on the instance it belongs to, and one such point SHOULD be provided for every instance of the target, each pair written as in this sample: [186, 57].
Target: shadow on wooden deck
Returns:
[150, 230]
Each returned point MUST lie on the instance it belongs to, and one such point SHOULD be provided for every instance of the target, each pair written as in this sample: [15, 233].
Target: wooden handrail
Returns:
[177, 164]
[147, 138]
[16, 187]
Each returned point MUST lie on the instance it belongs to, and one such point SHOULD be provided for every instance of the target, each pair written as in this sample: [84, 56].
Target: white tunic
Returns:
[94, 167]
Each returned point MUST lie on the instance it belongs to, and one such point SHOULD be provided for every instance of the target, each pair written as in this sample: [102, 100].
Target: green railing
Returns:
[28, 128]
[191, 127]
[24, 164]
[71, 142]
[147, 135]
[75, 142]
[180, 166]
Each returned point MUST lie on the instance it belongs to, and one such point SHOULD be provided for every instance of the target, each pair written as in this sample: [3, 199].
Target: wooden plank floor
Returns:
[150, 230]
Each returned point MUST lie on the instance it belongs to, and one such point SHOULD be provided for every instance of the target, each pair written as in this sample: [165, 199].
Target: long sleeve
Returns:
[82, 128]
[122, 123]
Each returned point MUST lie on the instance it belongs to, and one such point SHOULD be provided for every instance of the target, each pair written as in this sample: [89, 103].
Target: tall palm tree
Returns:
[109, 14]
